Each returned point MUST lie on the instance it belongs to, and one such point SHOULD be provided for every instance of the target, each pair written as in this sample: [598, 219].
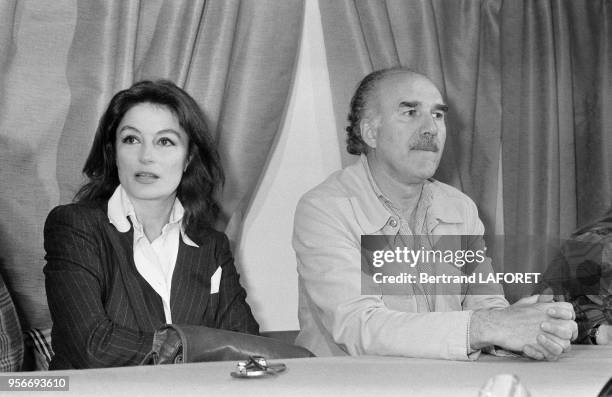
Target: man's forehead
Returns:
[406, 86]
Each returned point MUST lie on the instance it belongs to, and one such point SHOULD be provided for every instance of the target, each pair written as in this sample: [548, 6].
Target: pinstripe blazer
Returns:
[105, 313]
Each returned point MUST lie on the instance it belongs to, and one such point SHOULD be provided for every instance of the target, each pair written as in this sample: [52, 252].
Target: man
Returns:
[397, 126]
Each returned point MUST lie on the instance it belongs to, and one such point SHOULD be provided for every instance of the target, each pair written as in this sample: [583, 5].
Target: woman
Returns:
[136, 250]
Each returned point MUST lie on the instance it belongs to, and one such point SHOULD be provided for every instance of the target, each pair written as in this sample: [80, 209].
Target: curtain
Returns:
[530, 79]
[61, 63]
[557, 96]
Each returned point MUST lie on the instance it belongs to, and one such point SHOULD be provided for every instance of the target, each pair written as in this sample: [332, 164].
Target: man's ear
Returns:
[369, 131]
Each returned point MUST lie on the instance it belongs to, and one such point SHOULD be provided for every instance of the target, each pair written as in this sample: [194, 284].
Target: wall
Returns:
[305, 154]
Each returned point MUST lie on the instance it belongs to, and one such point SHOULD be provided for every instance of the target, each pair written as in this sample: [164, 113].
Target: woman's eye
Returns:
[166, 142]
[130, 139]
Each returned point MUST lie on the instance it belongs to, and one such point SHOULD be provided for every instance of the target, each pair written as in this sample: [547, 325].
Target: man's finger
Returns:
[551, 349]
[563, 342]
[532, 352]
[561, 329]
[561, 311]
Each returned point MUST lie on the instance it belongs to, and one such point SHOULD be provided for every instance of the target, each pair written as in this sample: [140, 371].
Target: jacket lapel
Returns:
[191, 283]
[122, 244]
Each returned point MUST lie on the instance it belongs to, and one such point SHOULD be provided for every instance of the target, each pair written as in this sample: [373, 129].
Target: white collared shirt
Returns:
[154, 260]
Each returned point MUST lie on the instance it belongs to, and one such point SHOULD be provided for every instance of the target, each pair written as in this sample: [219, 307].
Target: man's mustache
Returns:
[426, 144]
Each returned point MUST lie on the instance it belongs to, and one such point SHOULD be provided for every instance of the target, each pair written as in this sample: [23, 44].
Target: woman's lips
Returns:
[146, 177]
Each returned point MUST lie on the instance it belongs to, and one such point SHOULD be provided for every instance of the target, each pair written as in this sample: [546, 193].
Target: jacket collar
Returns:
[372, 215]
[121, 214]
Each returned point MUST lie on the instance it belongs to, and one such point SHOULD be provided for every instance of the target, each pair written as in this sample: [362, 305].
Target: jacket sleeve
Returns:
[480, 295]
[83, 336]
[233, 312]
[329, 257]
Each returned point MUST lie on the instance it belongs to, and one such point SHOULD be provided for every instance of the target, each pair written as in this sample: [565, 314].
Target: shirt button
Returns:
[393, 222]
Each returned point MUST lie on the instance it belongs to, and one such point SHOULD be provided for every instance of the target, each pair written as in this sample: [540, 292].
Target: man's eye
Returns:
[166, 142]
[439, 115]
[130, 139]
[410, 112]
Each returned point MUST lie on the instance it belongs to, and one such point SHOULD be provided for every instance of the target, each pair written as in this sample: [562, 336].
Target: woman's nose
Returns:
[146, 153]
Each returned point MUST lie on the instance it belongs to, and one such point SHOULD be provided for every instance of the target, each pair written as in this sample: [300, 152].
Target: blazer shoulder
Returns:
[77, 213]
[75, 230]
[210, 237]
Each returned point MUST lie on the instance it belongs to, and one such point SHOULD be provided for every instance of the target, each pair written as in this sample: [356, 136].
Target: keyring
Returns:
[256, 367]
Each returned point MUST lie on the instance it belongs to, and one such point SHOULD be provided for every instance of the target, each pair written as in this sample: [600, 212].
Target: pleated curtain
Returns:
[61, 61]
[530, 80]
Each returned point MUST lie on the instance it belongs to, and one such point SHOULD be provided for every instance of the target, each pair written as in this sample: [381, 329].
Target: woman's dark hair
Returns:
[200, 180]
[360, 105]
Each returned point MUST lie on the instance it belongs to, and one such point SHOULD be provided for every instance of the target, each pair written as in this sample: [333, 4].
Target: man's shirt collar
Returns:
[376, 216]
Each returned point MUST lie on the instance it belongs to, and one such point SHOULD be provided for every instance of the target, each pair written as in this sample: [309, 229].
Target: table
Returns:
[581, 372]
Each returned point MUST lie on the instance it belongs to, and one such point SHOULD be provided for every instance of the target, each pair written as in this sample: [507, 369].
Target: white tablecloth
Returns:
[581, 372]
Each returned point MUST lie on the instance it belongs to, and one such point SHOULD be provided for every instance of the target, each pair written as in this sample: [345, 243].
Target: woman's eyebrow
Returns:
[168, 130]
[129, 127]
[164, 131]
